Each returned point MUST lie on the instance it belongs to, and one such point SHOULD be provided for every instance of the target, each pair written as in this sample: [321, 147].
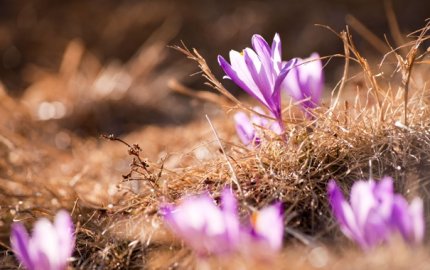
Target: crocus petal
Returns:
[268, 225]
[238, 64]
[45, 242]
[259, 120]
[247, 85]
[200, 213]
[277, 53]
[376, 230]
[250, 130]
[229, 203]
[229, 209]
[258, 73]
[290, 83]
[64, 226]
[276, 128]
[315, 78]
[244, 128]
[201, 224]
[265, 122]
[310, 80]
[305, 81]
[409, 219]
[400, 219]
[416, 212]
[288, 66]
[384, 195]
[50, 245]
[264, 53]
[361, 206]
[20, 242]
[343, 213]
[276, 95]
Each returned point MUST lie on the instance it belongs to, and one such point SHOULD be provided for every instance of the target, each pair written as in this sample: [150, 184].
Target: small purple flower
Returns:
[375, 213]
[203, 226]
[268, 226]
[366, 218]
[259, 72]
[246, 130]
[208, 229]
[305, 81]
[50, 245]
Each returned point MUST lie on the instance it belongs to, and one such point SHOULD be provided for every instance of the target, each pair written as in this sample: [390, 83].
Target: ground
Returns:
[110, 139]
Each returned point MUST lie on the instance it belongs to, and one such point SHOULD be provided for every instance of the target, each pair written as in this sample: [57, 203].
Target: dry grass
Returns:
[379, 126]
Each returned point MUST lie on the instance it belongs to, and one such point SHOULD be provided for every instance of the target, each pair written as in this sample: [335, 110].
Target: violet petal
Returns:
[244, 128]
[343, 213]
[264, 54]
[20, 243]
[269, 225]
[247, 85]
[258, 73]
[416, 212]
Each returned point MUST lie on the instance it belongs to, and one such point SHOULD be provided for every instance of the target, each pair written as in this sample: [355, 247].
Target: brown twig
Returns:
[344, 38]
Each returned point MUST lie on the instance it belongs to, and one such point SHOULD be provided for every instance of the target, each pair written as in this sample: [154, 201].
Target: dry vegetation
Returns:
[375, 122]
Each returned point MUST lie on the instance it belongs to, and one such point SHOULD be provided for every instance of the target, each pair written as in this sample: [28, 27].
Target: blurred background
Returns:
[104, 65]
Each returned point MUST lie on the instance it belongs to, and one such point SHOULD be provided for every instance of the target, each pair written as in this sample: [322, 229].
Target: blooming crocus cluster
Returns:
[263, 75]
[50, 245]
[305, 81]
[246, 126]
[209, 229]
[375, 213]
[260, 72]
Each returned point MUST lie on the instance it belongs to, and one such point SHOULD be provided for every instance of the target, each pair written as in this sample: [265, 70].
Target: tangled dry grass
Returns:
[375, 123]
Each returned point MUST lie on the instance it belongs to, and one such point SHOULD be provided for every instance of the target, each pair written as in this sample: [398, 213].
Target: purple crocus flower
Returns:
[50, 245]
[246, 130]
[259, 72]
[208, 229]
[268, 226]
[203, 226]
[305, 81]
[375, 213]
